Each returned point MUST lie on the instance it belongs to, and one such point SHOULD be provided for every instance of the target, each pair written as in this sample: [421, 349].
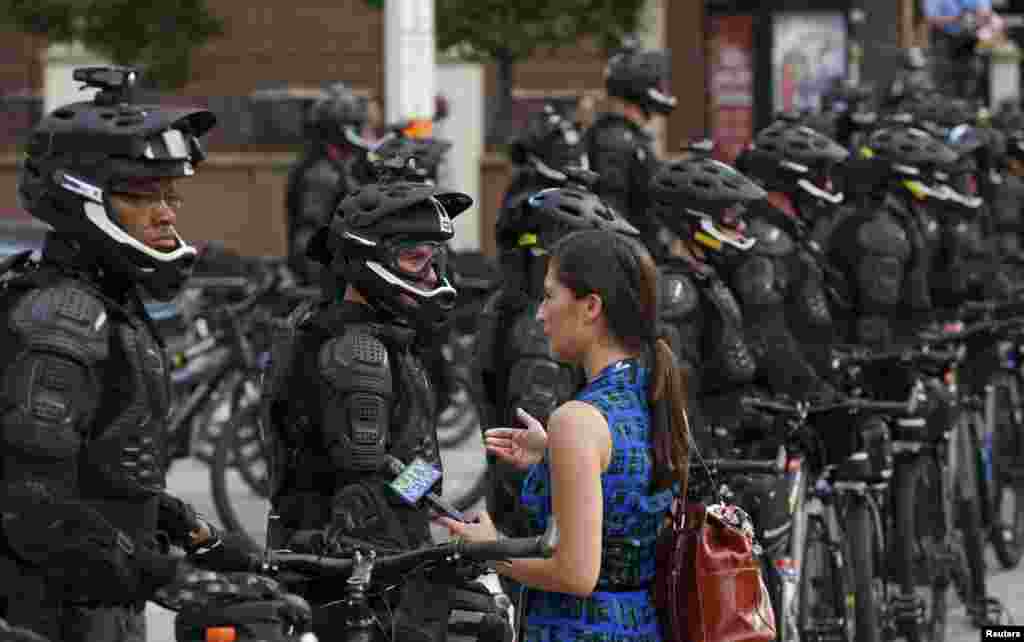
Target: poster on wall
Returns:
[731, 75]
[808, 56]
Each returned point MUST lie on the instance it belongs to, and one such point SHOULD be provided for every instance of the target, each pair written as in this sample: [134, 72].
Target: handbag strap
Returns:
[679, 504]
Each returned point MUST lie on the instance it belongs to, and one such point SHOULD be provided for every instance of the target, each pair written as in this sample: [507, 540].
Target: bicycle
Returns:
[365, 575]
[836, 523]
[996, 422]
[931, 517]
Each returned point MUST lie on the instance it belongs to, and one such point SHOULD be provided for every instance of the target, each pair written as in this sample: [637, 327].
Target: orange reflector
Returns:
[221, 634]
[950, 377]
[420, 128]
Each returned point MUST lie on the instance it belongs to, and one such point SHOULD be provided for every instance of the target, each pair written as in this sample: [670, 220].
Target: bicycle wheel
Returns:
[921, 549]
[860, 524]
[826, 588]
[966, 493]
[247, 455]
[221, 464]
[1007, 490]
[458, 422]
[472, 493]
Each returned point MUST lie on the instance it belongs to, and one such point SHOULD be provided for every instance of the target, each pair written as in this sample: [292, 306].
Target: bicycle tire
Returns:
[247, 453]
[911, 476]
[1007, 528]
[456, 427]
[219, 468]
[475, 492]
[966, 489]
[860, 538]
[836, 589]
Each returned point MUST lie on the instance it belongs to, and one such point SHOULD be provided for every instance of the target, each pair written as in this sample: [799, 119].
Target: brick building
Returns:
[303, 44]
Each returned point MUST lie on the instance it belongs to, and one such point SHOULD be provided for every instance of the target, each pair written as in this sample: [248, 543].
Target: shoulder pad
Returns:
[771, 239]
[65, 318]
[884, 235]
[612, 136]
[755, 282]
[679, 296]
[491, 303]
[356, 360]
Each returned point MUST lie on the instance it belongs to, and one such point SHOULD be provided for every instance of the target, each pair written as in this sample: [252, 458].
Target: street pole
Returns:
[409, 64]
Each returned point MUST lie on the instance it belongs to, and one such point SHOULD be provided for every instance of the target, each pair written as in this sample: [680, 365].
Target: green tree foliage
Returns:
[507, 32]
[156, 36]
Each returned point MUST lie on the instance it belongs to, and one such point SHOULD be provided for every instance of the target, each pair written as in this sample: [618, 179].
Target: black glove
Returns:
[178, 520]
[225, 552]
[83, 554]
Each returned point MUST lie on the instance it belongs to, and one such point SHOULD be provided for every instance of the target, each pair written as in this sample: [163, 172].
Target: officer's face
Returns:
[149, 211]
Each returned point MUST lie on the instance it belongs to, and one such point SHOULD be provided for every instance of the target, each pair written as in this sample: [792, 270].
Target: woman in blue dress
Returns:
[605, 469]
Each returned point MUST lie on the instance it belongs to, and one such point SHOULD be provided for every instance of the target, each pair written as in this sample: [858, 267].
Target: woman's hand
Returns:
[520, 447]
[480, 530]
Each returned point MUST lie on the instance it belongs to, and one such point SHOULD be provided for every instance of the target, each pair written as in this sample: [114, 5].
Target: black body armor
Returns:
[344, 390]
[621, 153]
[315, 188]
[85, 399]
[882, 253]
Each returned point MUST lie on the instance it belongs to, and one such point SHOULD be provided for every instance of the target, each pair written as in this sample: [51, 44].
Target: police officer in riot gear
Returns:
[86, 524]
[515, 365]
[347, 386]
[550, 143]
[333, 165]
[701, 201]
[881, 247]
[619, 146]
[796, 165]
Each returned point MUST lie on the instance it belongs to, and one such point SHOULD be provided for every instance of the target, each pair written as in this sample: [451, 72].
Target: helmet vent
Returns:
[702, 183]
[107, 115]
[570, 209]
[731, 184]
[64, 113]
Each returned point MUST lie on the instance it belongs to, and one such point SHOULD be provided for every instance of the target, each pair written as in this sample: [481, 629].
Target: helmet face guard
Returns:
[388, 241]
[726, 233]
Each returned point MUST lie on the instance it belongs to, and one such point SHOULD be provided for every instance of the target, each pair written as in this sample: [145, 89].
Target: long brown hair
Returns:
[623, 274]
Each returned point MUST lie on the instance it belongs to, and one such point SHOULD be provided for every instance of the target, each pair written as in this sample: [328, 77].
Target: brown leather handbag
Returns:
[709, 586]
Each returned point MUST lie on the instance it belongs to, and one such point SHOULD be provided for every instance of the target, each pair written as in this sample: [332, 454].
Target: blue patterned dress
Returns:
[620, 608]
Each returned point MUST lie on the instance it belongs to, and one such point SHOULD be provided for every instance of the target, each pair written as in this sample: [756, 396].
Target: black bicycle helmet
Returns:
[552, 213]
[82, 152]
[696, 198]
[422, 157]
[787, 157]
[641, 76]
[338, 116]
[1009, 117]
[550, 143]
[909, 152]
[937, 114]
[372, 229]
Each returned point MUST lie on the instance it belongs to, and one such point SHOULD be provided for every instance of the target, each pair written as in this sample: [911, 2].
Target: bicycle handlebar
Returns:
[916, 356]
[740, 466]
[803, 408]
[321, 566]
